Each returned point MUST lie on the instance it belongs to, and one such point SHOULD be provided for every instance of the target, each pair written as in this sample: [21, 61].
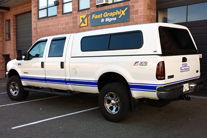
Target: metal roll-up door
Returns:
[24, 31]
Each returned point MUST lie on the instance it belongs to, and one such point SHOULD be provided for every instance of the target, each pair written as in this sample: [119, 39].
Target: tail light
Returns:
[160, 73]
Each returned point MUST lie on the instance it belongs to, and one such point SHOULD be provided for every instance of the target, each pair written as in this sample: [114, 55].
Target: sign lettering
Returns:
[110, 16]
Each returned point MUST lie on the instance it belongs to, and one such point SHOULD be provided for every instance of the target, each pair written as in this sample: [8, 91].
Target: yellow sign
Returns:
[83, 20]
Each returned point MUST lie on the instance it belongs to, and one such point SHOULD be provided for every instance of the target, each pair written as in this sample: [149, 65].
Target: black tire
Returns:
[120, 100]
[157, 103]
[15, 89]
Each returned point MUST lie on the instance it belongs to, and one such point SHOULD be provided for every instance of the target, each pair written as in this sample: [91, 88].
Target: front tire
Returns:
[114, 102]
[15, 89]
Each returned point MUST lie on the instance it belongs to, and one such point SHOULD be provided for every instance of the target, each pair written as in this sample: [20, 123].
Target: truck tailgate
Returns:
[181, 68]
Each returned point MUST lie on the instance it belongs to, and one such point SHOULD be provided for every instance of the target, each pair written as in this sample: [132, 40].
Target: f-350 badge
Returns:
[140, 63]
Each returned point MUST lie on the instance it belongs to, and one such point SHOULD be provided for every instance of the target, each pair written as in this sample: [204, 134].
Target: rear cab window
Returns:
[175, 41]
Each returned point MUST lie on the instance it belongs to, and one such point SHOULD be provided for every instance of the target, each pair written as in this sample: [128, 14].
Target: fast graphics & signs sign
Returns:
[110, 16]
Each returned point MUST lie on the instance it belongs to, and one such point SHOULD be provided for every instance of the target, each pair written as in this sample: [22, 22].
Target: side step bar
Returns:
[68, 93]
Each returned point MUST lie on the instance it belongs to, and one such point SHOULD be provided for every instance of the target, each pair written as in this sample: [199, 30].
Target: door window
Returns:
[57, 47]
[38, 50]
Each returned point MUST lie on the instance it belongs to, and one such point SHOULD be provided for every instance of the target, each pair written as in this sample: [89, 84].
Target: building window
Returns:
[173, 15]
[84, 4]
[67, 6]
[197, 12]
[119, 0]
[47, 8]
[7, 30]
[188, 13]
[108, 2]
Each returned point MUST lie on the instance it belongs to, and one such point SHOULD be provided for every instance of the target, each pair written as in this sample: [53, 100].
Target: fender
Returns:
[14, 65]
[113, 68]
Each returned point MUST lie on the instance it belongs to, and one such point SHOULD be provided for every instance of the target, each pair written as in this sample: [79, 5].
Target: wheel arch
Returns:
[13, 72]
[109, 77]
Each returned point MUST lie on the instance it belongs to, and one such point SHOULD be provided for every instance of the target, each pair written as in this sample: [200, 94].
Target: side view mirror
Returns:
[23, 57]
[19, 55]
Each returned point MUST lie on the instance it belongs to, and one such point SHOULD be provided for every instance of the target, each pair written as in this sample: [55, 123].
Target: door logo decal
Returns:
[184, 68]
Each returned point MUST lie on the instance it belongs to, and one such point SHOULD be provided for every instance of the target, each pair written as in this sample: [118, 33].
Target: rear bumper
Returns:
[175, 91]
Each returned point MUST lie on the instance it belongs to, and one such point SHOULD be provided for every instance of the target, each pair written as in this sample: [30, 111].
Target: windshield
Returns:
[176, 41]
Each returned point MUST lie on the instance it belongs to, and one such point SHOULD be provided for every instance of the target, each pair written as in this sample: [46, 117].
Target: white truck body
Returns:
[81, 70]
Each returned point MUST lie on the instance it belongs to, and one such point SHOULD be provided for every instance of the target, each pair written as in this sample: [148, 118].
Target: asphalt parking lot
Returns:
[52, 116]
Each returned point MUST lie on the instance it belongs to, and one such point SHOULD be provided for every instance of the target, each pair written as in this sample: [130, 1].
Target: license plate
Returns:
[185, 87]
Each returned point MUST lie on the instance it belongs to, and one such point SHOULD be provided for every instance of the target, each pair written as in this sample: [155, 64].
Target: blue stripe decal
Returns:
[183, 80]
[153, 87]
[144, 84]
[88, 83]
[143, 87]
[92, 83]
[33, 79]
[55, 81]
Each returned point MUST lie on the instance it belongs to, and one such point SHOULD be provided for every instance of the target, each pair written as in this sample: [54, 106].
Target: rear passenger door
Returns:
[55, 63]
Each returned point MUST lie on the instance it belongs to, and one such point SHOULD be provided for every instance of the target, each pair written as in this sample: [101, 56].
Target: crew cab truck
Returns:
[158, 62]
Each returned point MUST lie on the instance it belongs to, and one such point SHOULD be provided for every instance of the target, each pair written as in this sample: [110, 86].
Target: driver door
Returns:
[33, 72]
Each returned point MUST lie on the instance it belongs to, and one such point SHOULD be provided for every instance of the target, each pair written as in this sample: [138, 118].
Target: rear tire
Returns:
[114, 102]
[157, 103]
[15, 89]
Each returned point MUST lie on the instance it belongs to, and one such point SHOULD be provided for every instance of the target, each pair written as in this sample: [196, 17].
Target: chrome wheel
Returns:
[112, 103]
[14, 88]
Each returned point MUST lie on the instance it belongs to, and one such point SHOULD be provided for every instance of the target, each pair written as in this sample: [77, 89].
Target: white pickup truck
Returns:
[158, 62]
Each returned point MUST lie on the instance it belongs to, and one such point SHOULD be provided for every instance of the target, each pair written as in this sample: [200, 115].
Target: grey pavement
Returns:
[180, 119]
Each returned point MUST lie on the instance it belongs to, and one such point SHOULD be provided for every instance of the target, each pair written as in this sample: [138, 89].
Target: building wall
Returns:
[1, 45]
[9, 47]
[141, 11]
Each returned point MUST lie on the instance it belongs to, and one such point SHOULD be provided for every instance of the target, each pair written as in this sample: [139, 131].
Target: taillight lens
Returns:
[160, 73]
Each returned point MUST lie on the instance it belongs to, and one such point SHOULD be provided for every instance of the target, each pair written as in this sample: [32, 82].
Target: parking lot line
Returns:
[3, 92]
[52, 118]
[28, 101]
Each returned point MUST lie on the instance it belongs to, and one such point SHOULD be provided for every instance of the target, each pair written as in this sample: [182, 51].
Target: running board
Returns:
[68, 93]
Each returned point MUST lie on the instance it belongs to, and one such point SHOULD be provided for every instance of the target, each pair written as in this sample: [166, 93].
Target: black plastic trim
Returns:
[175, 91]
